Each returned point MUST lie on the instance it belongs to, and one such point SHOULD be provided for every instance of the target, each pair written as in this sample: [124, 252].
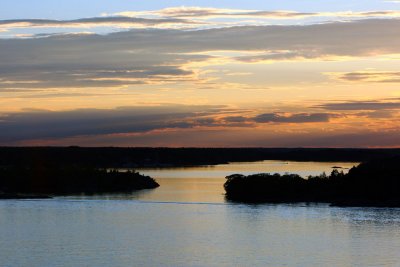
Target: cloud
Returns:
[204, 12]
[226, 137]
[34, 124]
[43, 125]
[367, 76]
[292, 118]
[236, 119]
[179, 125]
[182, 18]
[116, 21]
[208, 12]
[280, 55]
[160, 56]
[362, 105]
[60, 94]
[378, 114]
[78, 61]
[89, 75]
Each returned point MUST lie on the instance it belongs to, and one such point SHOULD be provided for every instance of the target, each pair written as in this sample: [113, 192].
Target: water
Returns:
[204, 184]
[190, 224]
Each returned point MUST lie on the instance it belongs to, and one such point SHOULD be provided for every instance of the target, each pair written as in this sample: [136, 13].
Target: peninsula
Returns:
[46, 180]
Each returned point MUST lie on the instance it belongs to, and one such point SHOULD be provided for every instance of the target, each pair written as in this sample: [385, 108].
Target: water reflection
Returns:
[318, 235]
[77, 232]
[205, 183]
[186, 222]
[246, 168]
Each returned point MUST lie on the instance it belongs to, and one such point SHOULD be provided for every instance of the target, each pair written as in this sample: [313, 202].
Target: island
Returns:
[47, 180]
[372, 183]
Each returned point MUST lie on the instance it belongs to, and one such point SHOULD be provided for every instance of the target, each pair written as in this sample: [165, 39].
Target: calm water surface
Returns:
[186, 222]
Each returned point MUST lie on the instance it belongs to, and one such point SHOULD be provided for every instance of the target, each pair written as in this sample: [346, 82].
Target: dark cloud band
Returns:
[147, 56]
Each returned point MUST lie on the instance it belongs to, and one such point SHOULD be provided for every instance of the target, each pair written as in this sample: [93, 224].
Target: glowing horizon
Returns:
[226, 75]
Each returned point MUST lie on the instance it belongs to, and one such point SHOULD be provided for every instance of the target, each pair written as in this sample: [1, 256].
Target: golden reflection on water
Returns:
[205, 183]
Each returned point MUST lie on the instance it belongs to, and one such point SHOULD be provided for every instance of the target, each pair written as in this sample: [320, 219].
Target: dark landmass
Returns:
[374, 183]
[22, 196]
[46, 180]
[36, 172]
[110, 157]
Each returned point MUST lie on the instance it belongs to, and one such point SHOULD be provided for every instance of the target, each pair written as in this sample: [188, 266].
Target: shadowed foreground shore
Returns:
[46, 180]
[374, 183]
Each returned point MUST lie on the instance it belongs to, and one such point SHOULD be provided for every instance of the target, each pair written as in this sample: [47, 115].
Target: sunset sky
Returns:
[300, 73]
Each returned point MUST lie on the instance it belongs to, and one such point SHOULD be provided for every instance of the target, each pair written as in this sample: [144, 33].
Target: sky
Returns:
[299, 73]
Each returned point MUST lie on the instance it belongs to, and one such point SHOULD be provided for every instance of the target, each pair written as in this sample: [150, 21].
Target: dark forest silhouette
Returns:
[374, 183]
[43, 171]
[117, 157]
[44, 180]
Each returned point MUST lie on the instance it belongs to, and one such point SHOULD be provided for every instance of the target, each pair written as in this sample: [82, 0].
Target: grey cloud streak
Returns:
[145, 56]
[45, 124]
[205, 13]
[369, 76]
[293, 118]
[152, 124]
[361, 105]
[42, 124]
[214, 12]
[115, 21]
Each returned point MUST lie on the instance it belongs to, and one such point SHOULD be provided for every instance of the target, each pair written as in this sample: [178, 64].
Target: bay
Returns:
[187, 222]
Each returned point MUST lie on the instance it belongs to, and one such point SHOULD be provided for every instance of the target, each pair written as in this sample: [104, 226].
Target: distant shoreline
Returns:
[117, 157]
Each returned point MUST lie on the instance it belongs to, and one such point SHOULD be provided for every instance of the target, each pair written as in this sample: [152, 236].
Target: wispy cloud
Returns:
[362, 105]
[114, 21]
[206, 13]
[203, 12]
[185, 18]
[367, 76]
[293, 118]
